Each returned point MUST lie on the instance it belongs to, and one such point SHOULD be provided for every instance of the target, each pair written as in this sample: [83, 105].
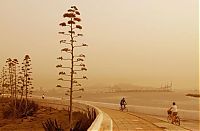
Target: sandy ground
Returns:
[34, 123]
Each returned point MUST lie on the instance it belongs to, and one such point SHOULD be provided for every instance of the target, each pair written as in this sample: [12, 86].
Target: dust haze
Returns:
[140, 43]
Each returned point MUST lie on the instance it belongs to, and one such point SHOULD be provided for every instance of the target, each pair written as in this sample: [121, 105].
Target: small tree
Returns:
[3, 81]
[26, 80]
[75, 64]
[15, 82]
[12, 73]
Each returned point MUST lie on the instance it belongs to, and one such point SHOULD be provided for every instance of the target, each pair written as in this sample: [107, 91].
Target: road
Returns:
[112, 111]
[131, 121]
[123, 121]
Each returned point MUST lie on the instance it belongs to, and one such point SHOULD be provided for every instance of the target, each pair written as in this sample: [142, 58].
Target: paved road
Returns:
[147, 120]
[127, 122]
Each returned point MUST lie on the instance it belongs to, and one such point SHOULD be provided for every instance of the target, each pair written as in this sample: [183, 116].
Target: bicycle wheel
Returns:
[169, 119]
[125, 109]
[177, 121]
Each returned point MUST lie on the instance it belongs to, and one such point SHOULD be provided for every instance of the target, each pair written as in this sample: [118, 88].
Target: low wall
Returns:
[103, 122]
[96, 125]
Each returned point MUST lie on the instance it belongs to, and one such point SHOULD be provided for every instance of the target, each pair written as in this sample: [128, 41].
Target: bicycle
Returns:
[176, 121]
[123, 108]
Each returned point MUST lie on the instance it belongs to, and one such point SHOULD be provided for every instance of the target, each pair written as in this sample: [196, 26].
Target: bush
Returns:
[20, 111]
[50, 125]
[8, 111]
[85, 121]
[82, 121]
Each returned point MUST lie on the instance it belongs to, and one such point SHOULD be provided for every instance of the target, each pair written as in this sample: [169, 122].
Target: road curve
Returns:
[123, 121]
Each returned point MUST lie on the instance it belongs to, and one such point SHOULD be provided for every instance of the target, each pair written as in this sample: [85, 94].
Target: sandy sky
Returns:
[142, 42]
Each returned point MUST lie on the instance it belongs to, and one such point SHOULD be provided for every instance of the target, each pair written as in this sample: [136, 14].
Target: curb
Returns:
[103, 122]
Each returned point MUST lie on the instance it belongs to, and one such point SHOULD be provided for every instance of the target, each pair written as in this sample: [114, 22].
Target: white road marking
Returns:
[135, 120]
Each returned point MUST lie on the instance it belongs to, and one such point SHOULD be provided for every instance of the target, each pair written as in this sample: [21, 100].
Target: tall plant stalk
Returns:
[75, 60]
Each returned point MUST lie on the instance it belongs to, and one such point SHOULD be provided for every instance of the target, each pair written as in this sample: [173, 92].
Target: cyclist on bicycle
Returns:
[43, 96]
[123, 103]
[174, 111]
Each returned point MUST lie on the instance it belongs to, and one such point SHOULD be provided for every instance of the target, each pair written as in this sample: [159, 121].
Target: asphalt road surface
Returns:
[123, 121]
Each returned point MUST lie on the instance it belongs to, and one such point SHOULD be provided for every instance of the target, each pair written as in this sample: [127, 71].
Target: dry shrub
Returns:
[85, 121]
[20, 111]
[8, 110]
[50, 125]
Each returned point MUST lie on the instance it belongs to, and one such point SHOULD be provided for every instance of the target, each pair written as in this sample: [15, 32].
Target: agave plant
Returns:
[73, 20]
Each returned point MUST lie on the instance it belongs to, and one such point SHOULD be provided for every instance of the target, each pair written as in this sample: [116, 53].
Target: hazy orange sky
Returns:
[142, 42]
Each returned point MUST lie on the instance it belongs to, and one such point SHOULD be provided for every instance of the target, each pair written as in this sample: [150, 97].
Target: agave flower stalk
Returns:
[70, 40]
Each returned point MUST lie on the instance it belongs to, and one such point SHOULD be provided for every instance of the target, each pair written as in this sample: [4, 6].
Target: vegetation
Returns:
[33, 121]
[21, 110]
[82, 123]
[50, 125]
[75, 61]
[85, 121]
[15, 83]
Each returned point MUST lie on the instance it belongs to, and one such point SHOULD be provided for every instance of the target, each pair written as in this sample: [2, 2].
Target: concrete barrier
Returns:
[96, 125]
[103, 122]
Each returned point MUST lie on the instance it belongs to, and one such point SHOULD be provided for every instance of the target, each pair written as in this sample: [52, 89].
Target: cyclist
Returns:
[174, 111]
[43, 96]
[123, 103]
